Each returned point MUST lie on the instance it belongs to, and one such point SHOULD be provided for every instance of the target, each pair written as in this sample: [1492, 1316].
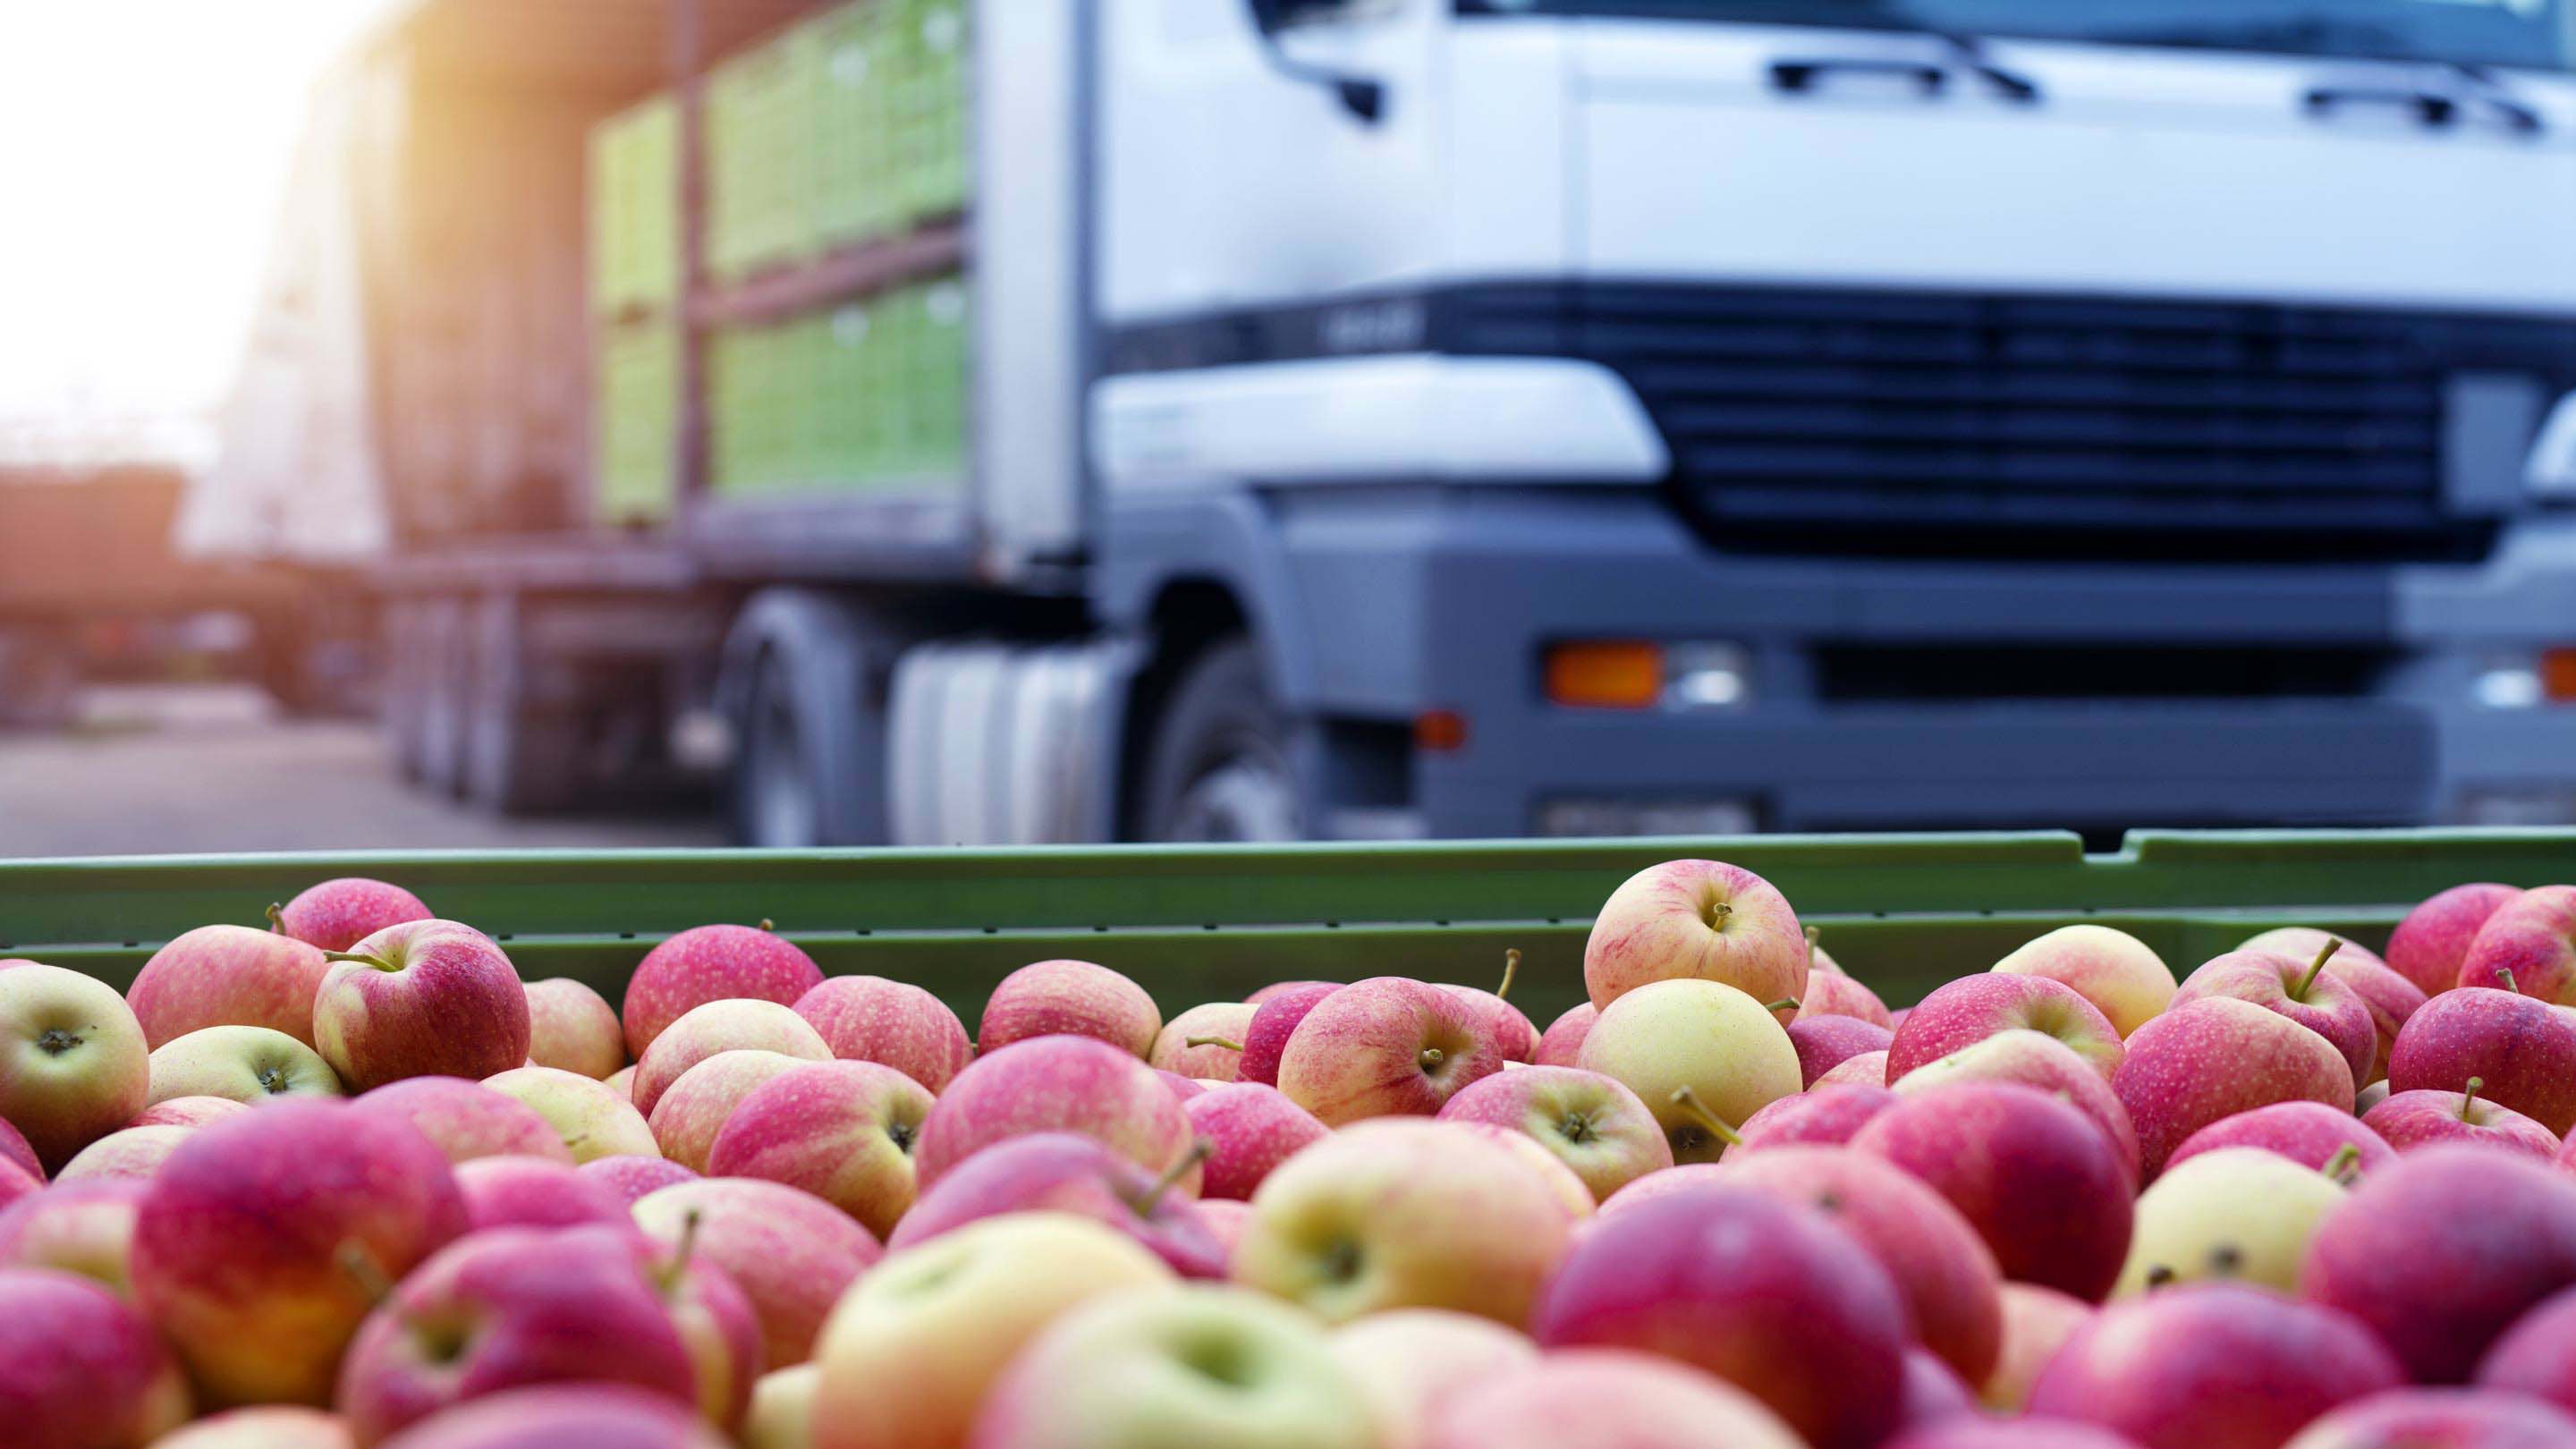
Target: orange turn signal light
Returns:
[2558, 676]
[1605, 674]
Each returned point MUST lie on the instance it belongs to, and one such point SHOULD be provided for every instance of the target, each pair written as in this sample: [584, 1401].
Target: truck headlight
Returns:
[1641, 674]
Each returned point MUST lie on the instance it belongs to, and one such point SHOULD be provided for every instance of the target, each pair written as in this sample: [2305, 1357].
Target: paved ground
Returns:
[153, 771]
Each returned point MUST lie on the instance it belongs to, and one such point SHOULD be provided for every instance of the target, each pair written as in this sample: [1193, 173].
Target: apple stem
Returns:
[2345, 1165]
[356, 1260]
[769, 925]
[1214, 1041]
[1511, 968]
[1785, 1003]
[276, 917]
[2505, 975]
[2469, 1098]
[1172, 1175]
[1812, 934]
[1693, 1108]
[2315, 968]
[678, 1267]
[1431, 1057]
[362, 958]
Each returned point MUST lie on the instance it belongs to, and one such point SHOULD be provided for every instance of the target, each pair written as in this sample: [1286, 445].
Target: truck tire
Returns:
[808, 724]
[446, 696]
[1219, 767]
[521, 757]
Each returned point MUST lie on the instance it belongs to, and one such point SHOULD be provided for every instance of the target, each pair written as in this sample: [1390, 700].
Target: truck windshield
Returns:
[2537, 34]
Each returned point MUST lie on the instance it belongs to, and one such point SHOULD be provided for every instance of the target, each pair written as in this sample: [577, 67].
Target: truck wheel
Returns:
[447, 686]
[775, 794]
[1219, 768]
[809, 727]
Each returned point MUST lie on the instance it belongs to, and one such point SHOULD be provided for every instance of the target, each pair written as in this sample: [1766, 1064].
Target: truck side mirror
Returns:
[1362, 96]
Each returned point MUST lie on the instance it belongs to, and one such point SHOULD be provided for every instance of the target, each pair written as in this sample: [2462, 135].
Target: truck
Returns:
[1020, 421]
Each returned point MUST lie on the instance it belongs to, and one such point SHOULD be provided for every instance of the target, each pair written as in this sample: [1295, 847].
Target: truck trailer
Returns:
[1018, 421]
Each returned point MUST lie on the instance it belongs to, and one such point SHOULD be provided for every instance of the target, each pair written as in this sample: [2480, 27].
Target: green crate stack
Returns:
[930, 323]
[635, 209]
[761, 141]
[930, 41]
[635, 422]
[853, 377]
[854, 197]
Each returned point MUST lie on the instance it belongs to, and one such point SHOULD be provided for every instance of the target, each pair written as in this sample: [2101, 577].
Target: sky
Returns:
[143, 146]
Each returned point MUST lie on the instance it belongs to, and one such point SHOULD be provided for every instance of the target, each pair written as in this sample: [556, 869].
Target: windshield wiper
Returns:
[1797, 76]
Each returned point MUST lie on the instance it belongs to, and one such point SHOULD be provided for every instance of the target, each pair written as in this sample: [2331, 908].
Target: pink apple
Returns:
[2523, 1049]
[1562, 1183]
[1826, 1042]
[2030, 1059]
[244, 1064]
[743, 1024]
[588, 1117]
[1590, 1122]
[1067, 1172]
[841, 1130]
[891, 1023]
[335, 915]
[467, 1120]
[1697, 918]
[690, 1116]
[2441, 1419]
[1831, 993]
[1511, 1031]
[81, 1227]
[712, 963]
[1226, 1218]
[2037, 1323]
[572, 1028]
[2036, 1179]
[1562, 1042]
[1972, 1008]
[791, 1252]
[14, 1148]
[1069, 998]
[1934, 1393]
[1182, 1087]
[1273, 1022]
[1605, 1399]
[228, 976]
[1408, 1360]
[1869, 1069]
[273, 1426]
[630, 1178]
[2308, 1133]
[1987, 1433]
[128, 1152]
[2537, 1356]
[2412, 1120]
[1949, 1280]
[425, 998]
[187, 1112]
[2440, 1253]
[1768, 1295]
[534, 1192]
[17, 1183]
[73, 1063]
[2430, 945]
[79, 1369]
[1049, 1084]
[2213, 1058]
[2530, 942]
[1204, 1042]
[2390, 997]
[1249, 1129]
[1387, 1046]
[2121, 975]
[563, 1416]
[2212, 1366]
[1281, 988]
[242, 1248]
[2299, 990]
[1825, 1115]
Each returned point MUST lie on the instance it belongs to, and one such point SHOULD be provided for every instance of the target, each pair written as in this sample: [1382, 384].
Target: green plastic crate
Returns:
[930, 101]
[635, 209]
[760, 408]
[1207, 923]
[760, 138]
[635, 422]
[854, 197]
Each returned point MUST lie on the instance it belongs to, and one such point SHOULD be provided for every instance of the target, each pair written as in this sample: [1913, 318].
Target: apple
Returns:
[2528, 945]
[1403, 1213]
[1226, 1217]
[712, 963]
[467, 1120]
[891, 1023]
[1562, 1043]
[2441, 1419]
[912, 1350]
[1986, 1433]
[791, 1252]
[80, 1227]
[2537, 1356]
[590, 1119]
[632, 1177]
[2441, 1252]
[1511, 1031]
[2119, 974]
[1606, 1399]
[1264, 996]
[622, 1082]
[425, 998]
[79, 1369]
[2522, 1049]
[2430, 945]
[2238, 1214]
[1833, 994]
[1973, 1008]
[228, 976]
[1207, 1365]
[1869, 1069]
[564, 1416]
[1069, 1173]
[1697, 919]
[245, 1064]
[1824, 1115]
[782, 1409]
[188, 1111]
[841, 1130]
[572, 1028]
[510, 1307]
[242, 1247]
[742, 1024]
[2310, 1134]
[1563, 1184]
[1182, 1087]
[2390, 997]
[1949, 1280]
[1934, 1393]
[1069, 998]
[2212, 1058]
[2035, 1178]
[128, 1152]
[334, 915]
[14, 1148]
[2212, 1366]
[73, 1063]
[273, 1426]
[1250, 1129]
[1204, 1041]
[534, 1192]
[2411, 1120]
[1274, 1021]
[1769, 1295]
[1826, 1042]
[1407, 1361]
[17, 1183]
[1701, 1055]
[1590, 1122]
[1387, 1046]
[2034, 1059]
[2037, 1323]
[690, 1116]
[2299, 990]
[1049, 1084]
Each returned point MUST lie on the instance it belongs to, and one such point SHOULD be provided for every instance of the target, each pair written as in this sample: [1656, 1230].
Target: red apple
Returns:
[1055, 1083]
[1973, 1008]
[2009, 1434]
[712, 963]
[1182, 1087]
[630, 1178]
[425, 998]
[790, 1252]
[2528, 945]
[1831, 993]
[2212, 1366]
[1869, 1069]
[1606, 1399]
[2037, 1323]
[2311, 1134]
[2030, 1059]
[2522, 1048]
[534, 1192]
[228, 976]
[1511, 1031]
[2440, 1253]
[690, 1116]
[81, 1227]
[73, 1063]
[2036, 1179]
[1700, 919]
[1273, 1022]
[2432, 942]
[563, 1416]
[1934, 1393]
[1204, 1042]
[2299, 990]
[2121, 975]
[722, 1026]
[1069, 998]
[2441, 1419]
[571, 1028]
[1826, 1042]
[1387, 1046]
[79, 1369]
[467, 1120]
[1281, 988]
[1768, 1295]
[1249, 1129]
[2213, 1058]
[1590, 1122]
[1562, 1042]
[2537, 1356]
[2390, 997]
[891, 1023]
[2412, 1120]
[335, 915]
[1825, 1115]
[1067, 1172]
[841, 1130]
